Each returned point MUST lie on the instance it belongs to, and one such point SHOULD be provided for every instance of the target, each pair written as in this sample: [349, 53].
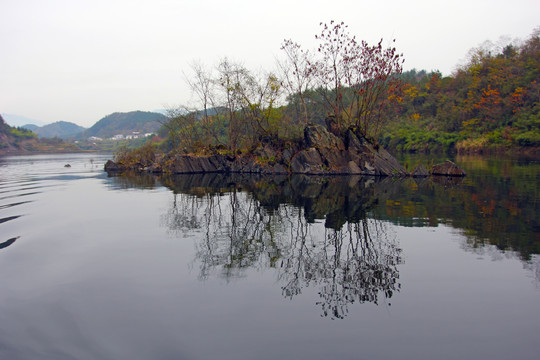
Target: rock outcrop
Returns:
[420, 171]
[111, 166]
[448, 168]
[320, 153]
[326, 153]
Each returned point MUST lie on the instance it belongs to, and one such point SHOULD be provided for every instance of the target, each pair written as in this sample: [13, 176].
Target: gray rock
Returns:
[307, 161]
[420, 171]
[111, 166]
[326, 153]
[317, 136]
[448, 168]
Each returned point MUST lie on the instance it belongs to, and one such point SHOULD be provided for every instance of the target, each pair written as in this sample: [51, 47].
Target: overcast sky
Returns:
[78, 61]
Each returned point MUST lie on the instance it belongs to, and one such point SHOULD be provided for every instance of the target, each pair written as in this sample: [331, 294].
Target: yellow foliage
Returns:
[472, 144]
[411, 91]
[470, 125]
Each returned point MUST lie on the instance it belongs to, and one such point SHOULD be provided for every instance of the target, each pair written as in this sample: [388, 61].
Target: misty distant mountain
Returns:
[126, 124]
[20, 121]
[59, 129]
[31, 127]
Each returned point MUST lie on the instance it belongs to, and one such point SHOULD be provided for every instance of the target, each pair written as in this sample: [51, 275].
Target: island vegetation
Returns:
[245, 127]
[489, 104]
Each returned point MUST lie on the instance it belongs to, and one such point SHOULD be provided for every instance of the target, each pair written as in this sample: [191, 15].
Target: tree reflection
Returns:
[356, 263]
[248, 222]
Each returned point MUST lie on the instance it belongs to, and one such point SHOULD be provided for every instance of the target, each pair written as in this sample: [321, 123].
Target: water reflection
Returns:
[132, 180]
[498, 203]
[247, 222]
[333, 234]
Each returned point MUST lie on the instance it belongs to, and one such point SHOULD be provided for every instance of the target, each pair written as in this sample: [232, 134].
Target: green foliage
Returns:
[529, 138]
[410, 138]
[22, 133]
[138, 157]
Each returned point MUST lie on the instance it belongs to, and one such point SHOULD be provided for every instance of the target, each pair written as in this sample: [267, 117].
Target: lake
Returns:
[211, 266]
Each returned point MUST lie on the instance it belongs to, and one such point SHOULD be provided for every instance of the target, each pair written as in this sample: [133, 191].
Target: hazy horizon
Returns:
[16, 120]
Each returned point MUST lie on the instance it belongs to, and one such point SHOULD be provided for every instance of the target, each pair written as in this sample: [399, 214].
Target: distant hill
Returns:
[31, 127]
[13, 139]
[126, 124]
[18, 120]
[4, 127]
[59, 129]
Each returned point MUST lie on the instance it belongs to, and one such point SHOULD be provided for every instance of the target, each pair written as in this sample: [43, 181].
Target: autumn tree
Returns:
[357, 80]
[354, 81]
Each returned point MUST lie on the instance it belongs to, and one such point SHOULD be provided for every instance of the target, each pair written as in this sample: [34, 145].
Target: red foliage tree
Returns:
[357, 80]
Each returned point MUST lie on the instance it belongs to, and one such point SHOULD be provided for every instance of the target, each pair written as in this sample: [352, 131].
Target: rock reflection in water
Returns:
[132, 180]
[254, 222]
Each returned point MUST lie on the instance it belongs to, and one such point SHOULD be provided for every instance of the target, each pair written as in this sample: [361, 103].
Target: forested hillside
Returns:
[21, 140]
[126, 123]
[489, 104]
[12, 139]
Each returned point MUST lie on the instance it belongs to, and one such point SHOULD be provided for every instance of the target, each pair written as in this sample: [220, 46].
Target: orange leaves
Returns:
[516, 99]
[489, 98]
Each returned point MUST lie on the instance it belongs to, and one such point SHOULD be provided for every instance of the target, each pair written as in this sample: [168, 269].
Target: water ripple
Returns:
[19, 188]
[8, 242]
[20, 195]
[9, 218]
[7, 206]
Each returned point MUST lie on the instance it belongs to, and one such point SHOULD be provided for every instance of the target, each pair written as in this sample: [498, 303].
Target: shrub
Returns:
[529, 138]
[143, 156]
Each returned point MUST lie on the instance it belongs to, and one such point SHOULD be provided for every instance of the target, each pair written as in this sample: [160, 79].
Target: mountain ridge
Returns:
[20, 121]
[60, 129]
[126, 123]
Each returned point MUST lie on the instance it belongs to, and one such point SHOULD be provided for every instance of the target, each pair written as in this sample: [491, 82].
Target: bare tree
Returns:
[230, 74]
[296, 72]
[181, 127]
[203, 85]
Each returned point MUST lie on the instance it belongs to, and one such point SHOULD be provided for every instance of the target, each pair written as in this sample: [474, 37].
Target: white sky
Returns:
[78, 61]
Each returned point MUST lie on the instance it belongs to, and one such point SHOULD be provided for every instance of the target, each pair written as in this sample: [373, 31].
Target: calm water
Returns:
[238, 267]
